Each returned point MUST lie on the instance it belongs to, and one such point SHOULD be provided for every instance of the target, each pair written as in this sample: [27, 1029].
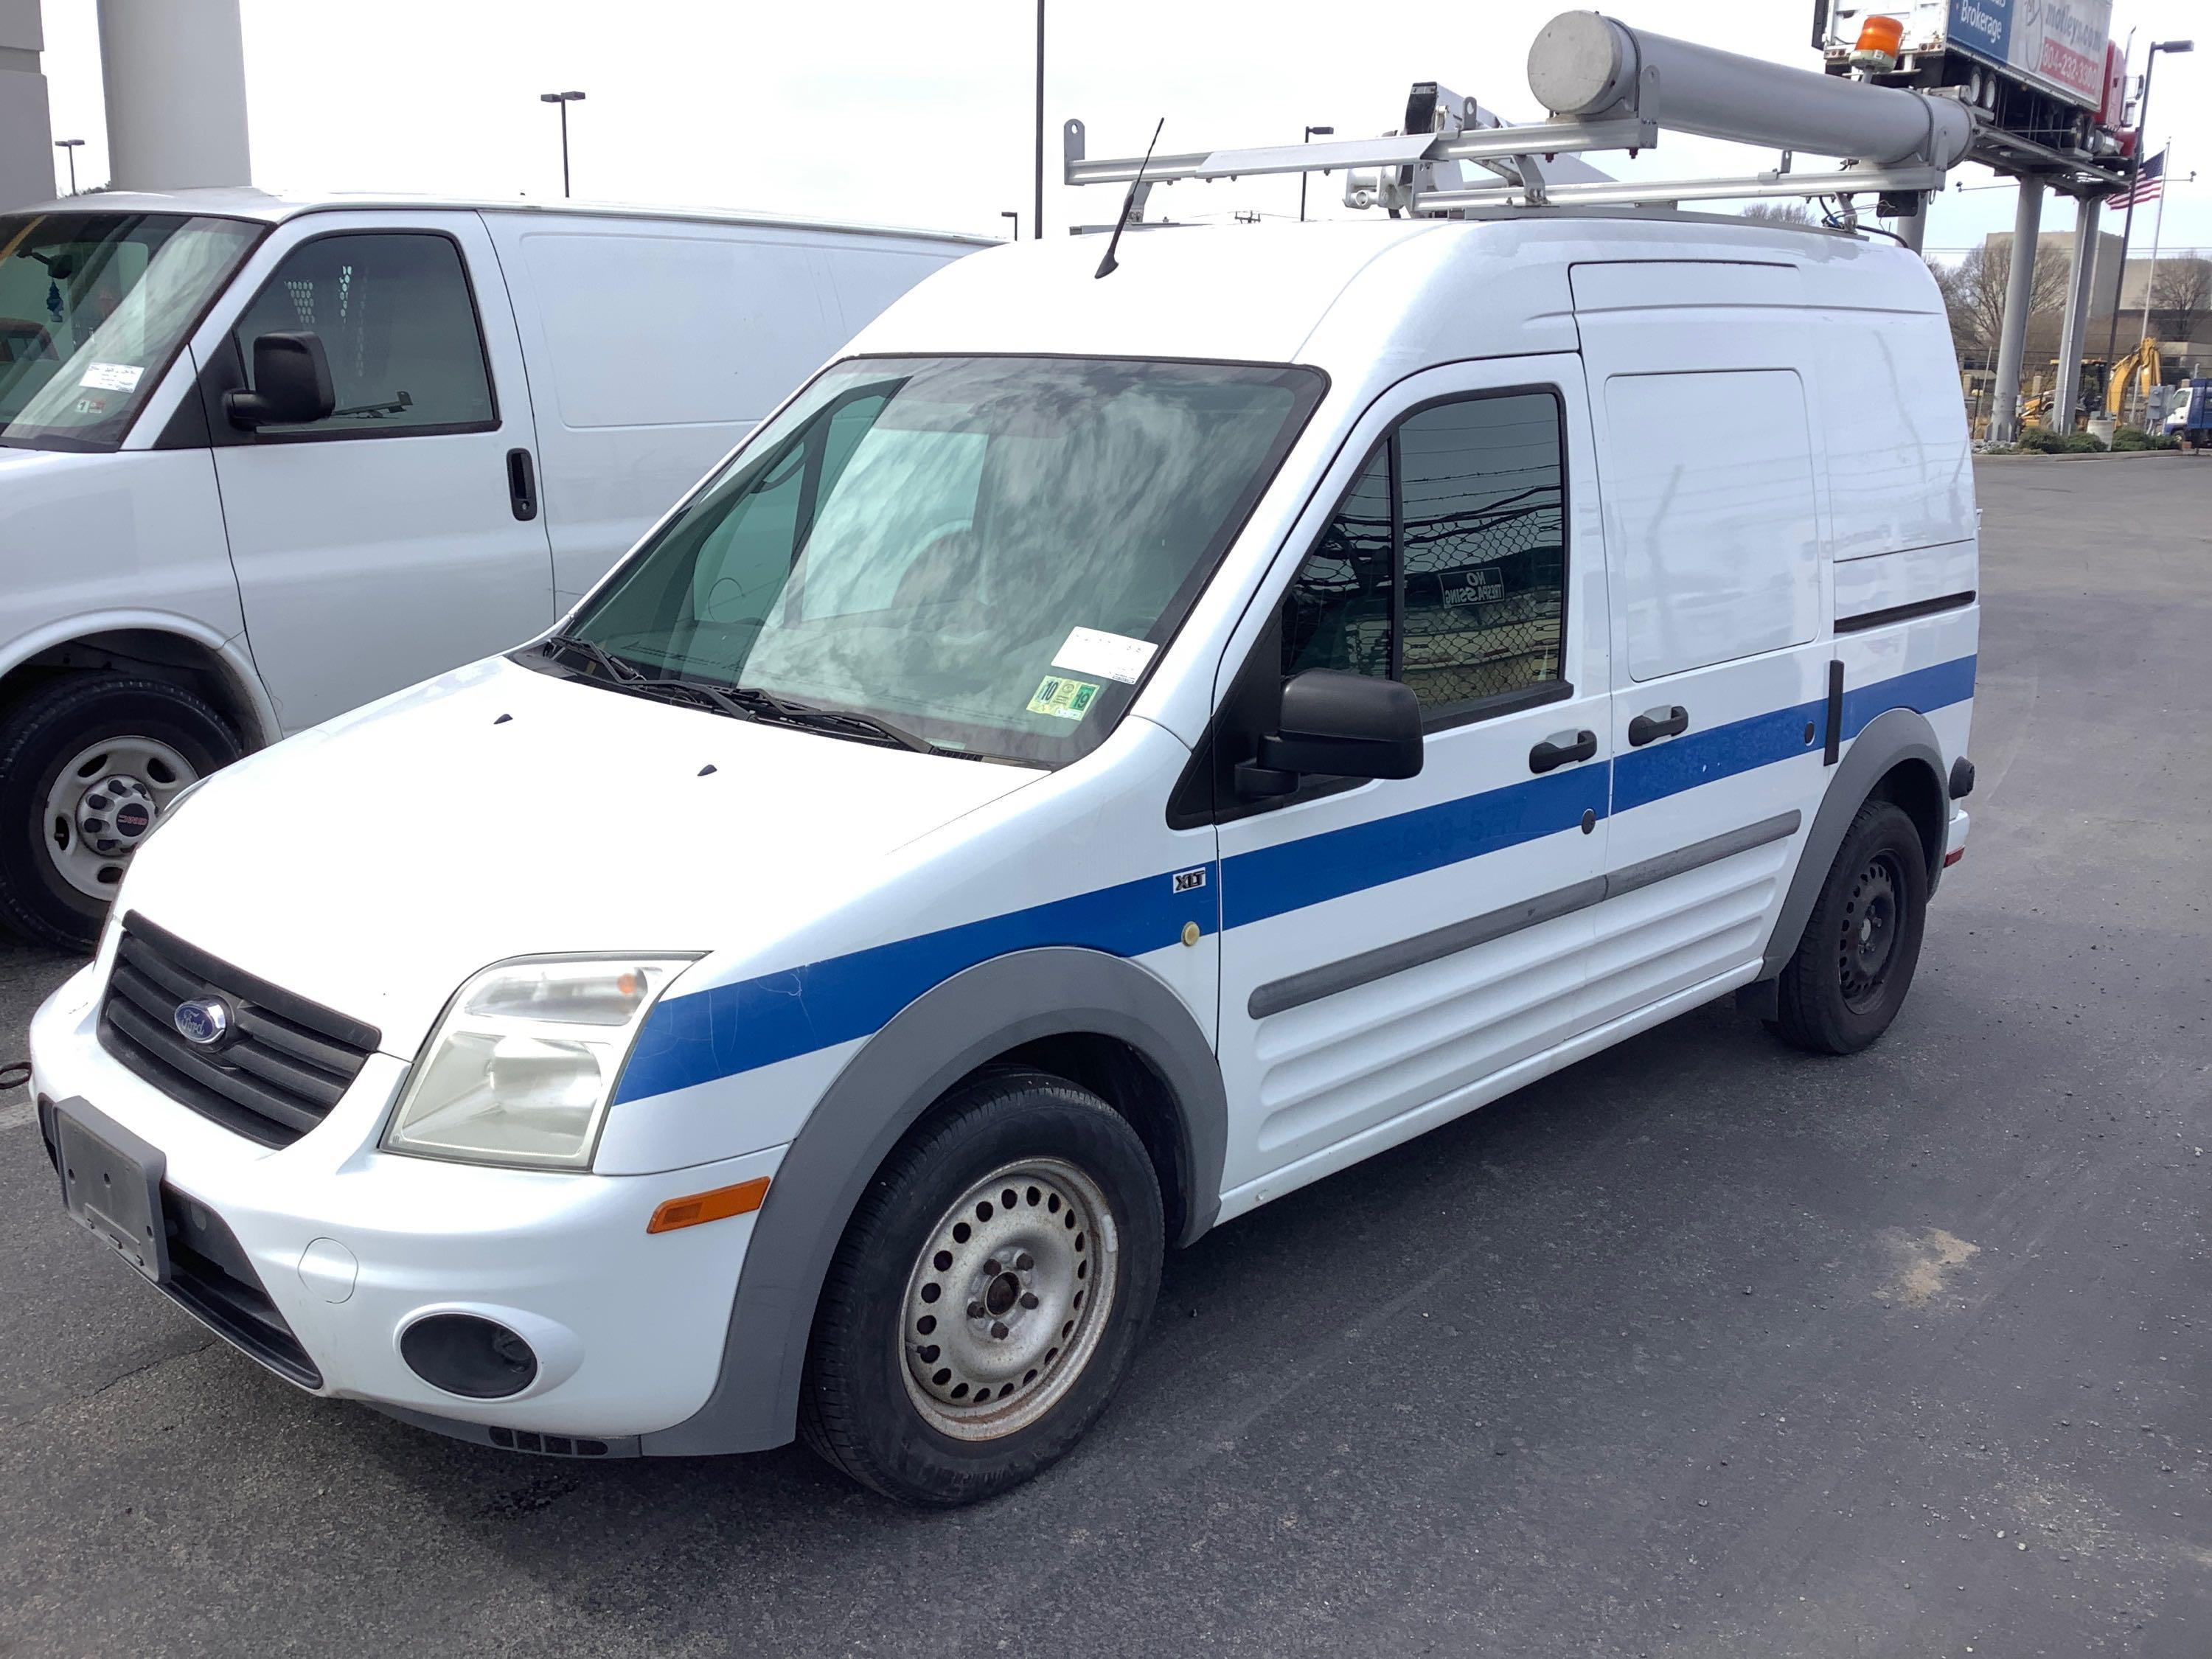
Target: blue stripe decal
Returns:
[1270, 880]
[728, 1029]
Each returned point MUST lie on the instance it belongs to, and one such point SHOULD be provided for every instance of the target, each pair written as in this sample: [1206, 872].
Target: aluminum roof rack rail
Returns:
[1610, 87]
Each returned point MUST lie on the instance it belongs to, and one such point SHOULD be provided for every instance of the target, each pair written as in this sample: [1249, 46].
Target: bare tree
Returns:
[1974, 294]
[2183, 291]
[1780, 213]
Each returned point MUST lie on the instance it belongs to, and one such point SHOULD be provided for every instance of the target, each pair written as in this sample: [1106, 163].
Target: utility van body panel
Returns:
[1549, 596]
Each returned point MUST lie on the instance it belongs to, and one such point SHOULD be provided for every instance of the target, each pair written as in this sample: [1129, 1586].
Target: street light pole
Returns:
[2127, 227]
[69, 148]
[563, 98]
[1308, 139]
[1014, 231]
[1036, 209]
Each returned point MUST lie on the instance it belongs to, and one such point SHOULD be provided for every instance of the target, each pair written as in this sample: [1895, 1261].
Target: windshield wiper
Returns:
[747, 702]
[767, 705]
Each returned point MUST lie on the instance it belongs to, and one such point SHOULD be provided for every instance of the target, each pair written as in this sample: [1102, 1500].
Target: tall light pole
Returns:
[1014, 230]
[1036, 209]
[563, 98]
[1311, 133]
[69, 148]
[2127, 229]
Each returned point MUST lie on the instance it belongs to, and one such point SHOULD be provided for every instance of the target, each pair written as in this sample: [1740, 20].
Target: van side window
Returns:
[1337, 614]
[1483, 548]
[399, 323]
[1445, 565]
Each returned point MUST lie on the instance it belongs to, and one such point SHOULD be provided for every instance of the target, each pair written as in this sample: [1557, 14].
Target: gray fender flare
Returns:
[895, 1077]
[1894, 735]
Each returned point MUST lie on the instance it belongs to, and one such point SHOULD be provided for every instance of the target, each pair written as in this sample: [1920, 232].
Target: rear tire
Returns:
[1854, 965]
[86, 764]
[963, 1343]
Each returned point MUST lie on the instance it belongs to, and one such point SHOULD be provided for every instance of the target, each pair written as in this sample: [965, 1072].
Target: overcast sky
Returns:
[906, 113]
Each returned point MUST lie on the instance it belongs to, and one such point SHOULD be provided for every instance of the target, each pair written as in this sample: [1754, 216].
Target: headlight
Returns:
[524, 1060]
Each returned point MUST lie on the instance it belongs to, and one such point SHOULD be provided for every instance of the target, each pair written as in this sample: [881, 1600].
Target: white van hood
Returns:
[374, 863]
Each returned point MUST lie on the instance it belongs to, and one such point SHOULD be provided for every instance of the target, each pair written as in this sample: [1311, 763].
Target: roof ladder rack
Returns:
[1610, 87]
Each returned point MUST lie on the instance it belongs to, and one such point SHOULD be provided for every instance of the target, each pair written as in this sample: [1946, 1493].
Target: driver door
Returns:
[1390, 947]
[400, 536]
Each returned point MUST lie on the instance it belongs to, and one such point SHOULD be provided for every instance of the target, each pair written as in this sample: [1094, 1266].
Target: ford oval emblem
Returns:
[202, 1020]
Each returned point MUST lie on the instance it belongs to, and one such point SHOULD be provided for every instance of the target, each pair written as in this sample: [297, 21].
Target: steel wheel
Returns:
[104, 802]
[1868, 941]
[1005, 1303]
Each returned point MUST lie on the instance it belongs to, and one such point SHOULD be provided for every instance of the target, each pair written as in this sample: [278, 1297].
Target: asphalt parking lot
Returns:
[1701, 1347]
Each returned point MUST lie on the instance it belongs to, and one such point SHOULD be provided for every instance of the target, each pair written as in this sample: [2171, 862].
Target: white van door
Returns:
[1389, 947]
[401, 535]
[1702, 392]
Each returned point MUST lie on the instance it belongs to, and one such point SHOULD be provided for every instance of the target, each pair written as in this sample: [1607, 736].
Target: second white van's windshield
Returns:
[92, 308]
[977, 555]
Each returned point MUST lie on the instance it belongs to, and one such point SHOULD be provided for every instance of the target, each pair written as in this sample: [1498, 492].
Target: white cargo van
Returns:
[1106, 754]
[262, 460]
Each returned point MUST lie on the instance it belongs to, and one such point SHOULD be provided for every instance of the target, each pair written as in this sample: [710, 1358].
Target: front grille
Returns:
[274, 1074]
[211, 1277]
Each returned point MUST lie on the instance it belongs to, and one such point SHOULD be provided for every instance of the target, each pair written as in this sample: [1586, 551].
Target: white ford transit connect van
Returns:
[1105, 754]
[263, 459]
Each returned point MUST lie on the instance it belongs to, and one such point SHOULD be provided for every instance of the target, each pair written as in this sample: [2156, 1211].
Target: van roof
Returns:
[1361, 299]
[244, 202]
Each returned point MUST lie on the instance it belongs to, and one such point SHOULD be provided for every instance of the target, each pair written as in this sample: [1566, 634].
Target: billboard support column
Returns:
[2012, 336]
[2086, 211]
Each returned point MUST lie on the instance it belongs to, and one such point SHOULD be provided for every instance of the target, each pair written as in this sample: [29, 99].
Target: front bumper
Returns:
[351, 1245]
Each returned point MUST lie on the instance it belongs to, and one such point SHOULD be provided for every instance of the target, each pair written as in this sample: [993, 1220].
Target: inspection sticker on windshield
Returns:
[112, 377]
[1067, 700]
[1094, 650]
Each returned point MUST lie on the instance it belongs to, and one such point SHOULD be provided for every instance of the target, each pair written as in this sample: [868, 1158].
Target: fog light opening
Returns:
[463, 1354]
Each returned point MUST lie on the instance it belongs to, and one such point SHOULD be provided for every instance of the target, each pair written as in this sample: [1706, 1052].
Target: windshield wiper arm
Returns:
[621, 670]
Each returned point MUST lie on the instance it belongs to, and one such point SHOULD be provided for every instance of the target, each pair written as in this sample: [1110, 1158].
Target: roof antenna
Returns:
[1107, 265]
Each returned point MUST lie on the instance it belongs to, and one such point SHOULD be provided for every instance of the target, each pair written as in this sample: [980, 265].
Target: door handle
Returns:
[522, 484]
[1550, 753]
[1656, 723]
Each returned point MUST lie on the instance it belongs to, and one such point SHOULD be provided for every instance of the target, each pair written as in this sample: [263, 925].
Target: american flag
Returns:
[2147, 184]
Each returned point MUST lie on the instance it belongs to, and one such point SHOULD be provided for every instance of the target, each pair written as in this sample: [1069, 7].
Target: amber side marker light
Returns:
[741, 1200]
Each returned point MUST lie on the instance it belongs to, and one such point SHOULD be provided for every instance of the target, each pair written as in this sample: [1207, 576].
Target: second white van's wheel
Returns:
[1855, 964]
[988, 1294]
[87, 765]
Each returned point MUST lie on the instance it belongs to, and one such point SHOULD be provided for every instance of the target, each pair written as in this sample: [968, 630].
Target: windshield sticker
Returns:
[112, 377]
[1116, 656]
[1067, 700]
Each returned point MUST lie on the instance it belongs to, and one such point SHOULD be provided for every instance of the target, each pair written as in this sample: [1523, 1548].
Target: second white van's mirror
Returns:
[292, 383]
[1341, 726]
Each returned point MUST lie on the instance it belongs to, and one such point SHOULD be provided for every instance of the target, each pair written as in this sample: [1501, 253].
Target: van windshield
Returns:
[986, 552]
[92, 309]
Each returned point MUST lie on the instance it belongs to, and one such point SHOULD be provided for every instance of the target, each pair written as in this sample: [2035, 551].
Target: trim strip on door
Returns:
[1898, 613]
[1295, 990]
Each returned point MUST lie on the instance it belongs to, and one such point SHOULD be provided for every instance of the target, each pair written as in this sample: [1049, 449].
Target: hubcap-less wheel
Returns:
[104, 803]
[1005, 1304]
[1868, 940]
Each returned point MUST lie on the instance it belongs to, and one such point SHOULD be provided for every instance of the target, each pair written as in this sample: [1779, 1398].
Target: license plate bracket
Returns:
[111, 1185]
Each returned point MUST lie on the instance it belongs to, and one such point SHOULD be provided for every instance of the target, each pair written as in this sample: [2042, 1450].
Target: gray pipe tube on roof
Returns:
[1583, 65]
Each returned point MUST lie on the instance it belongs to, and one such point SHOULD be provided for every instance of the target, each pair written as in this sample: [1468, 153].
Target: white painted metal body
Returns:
[1680, 352]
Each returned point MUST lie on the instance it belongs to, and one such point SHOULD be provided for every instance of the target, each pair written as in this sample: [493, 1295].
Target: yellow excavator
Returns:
[2141, 363]
[2144, 364]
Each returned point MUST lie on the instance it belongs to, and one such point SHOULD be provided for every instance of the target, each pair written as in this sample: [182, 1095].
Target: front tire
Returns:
[988, 1294]
[1855, 964]
[87, 766]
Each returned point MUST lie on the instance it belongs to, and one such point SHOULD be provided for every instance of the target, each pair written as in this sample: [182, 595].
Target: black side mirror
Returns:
[1338, 725]
[292, 383]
